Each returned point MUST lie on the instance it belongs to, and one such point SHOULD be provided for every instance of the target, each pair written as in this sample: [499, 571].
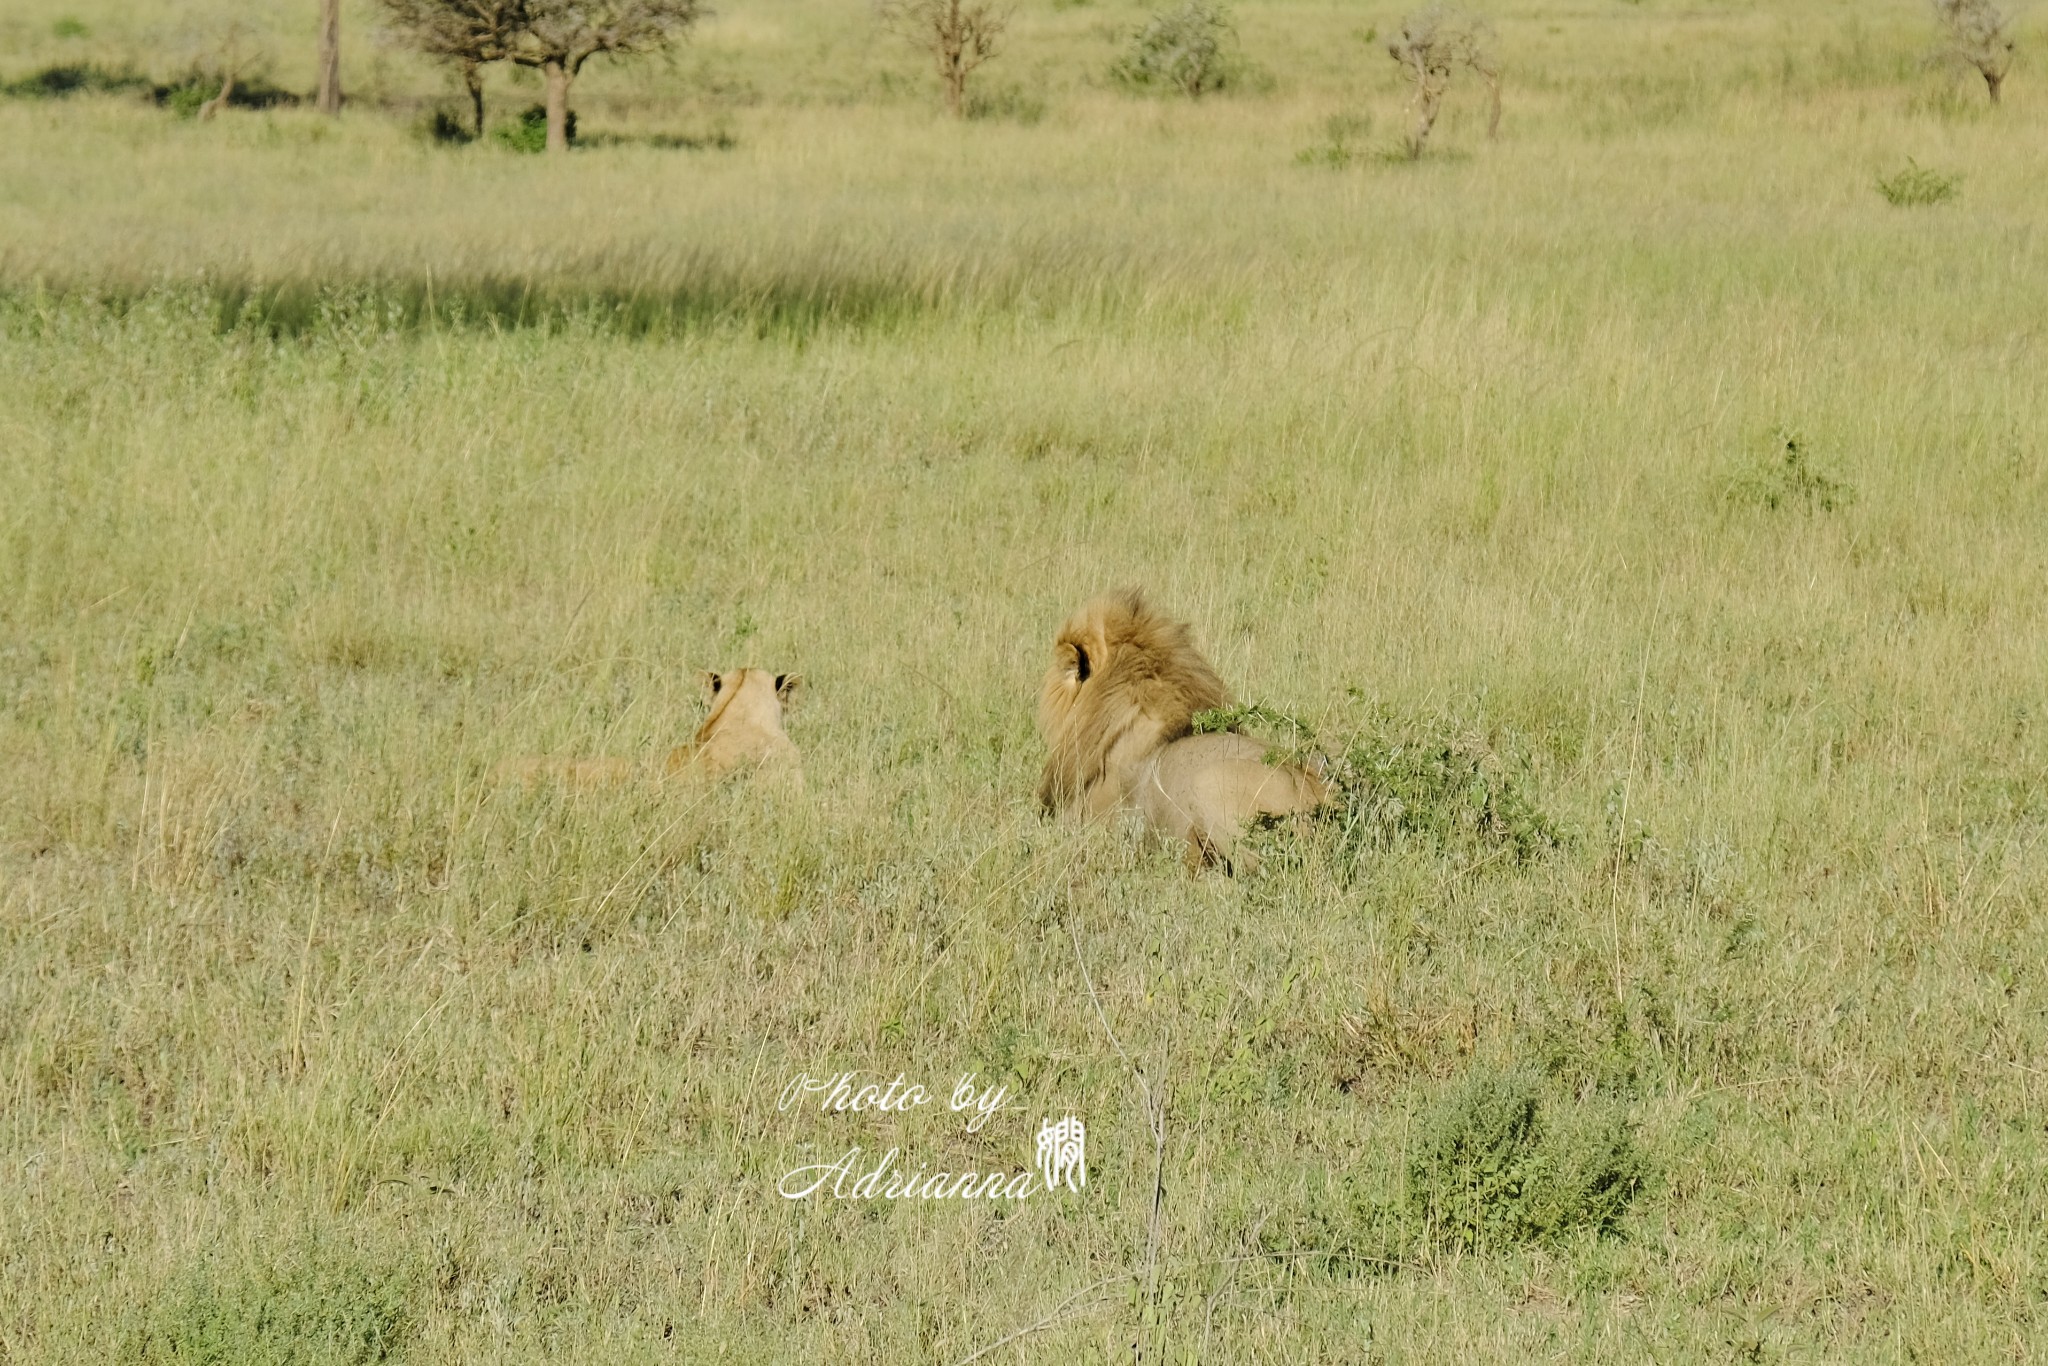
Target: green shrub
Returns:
[320, 1309]
[1495, 1164]
[1790, 479]
[70, 27]
[1917, 185]
[1497, 1159]
[185, 96]
[184, 100]
[1187, 50]
[1409, 780]
[529, 133]
[1415, 779]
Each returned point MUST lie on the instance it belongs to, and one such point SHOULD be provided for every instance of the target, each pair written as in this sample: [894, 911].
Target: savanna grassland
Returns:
[1655, 515]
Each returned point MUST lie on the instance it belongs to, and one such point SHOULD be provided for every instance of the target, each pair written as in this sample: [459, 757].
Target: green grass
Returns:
[1644, 506]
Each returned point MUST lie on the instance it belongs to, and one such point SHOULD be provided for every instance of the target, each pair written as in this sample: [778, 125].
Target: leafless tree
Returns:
[1978, 35]
[1429, 47]
[958, 34]
[329, 98]
[555, 36]
[227, 61]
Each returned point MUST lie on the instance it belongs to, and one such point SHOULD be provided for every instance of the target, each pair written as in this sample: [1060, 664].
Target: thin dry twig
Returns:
[1155, 1119]
[1053, 1316]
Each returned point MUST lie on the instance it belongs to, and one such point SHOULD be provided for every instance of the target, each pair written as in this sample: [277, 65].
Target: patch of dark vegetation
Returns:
[1009, 102]
[1418, 780]
[529, 132]
[1496, 1160]
[793, 305]
[1189, 50]
[1404, 781]
[320, 1309]
[1789, 479]
[187, 95]
[446, 127]
[716, 140]
[1254, 716]
[74, 78]
[1917, 186]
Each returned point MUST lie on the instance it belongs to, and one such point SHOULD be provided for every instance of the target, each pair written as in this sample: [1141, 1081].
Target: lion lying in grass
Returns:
[743, 731]
[1118, 709]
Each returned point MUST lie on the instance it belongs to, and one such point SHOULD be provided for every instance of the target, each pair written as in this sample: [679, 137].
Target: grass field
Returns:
[1659, 510]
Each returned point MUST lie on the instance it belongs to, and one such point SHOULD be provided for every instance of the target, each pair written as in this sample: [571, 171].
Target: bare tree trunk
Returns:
[220, 101]
[558, 105]
[473, 77]
[1492, 79]
[1425, 120]
[1428, 98]
[1992, 81]
[330, 57]
[956, 89]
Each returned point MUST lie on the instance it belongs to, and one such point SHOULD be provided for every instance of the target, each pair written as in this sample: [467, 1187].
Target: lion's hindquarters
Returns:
[1205, 789]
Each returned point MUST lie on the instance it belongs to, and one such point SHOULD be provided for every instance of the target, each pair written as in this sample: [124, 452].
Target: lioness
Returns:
[1117, 709]
[744, 730]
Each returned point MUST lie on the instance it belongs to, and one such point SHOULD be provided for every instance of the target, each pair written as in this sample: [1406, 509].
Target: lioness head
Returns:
[744, 726]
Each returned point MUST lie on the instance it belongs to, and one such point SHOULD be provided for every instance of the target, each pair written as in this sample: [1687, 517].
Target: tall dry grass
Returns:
[1648, 455]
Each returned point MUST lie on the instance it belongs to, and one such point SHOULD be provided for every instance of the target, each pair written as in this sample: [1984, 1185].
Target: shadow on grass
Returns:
[73, 78]
[718, 140]
[788, 304]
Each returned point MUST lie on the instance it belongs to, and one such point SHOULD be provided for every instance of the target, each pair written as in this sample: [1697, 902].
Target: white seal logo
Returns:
[1063, 1153]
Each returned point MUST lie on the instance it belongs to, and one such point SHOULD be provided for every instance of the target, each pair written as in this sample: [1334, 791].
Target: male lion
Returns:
[1118, 709]
[744, 730]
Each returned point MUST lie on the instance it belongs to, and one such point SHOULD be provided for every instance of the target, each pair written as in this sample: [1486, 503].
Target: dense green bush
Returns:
[1917, 185]
[1495, 1163]
[1189, 50]
[529, 133]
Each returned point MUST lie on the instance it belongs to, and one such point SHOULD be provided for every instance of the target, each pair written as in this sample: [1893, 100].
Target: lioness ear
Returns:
[712, 682]
[785, 684]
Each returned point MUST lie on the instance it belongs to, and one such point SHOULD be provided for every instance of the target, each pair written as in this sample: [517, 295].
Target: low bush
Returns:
[529, 132]
[1790, 479]
[1917, 185]
[1188, 50]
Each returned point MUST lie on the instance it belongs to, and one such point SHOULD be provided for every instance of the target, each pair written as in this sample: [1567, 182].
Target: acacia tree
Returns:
[467, 34]
[1429, 47]
[559, 36]
[959, 34]
[1979, 35]
[555, 36]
